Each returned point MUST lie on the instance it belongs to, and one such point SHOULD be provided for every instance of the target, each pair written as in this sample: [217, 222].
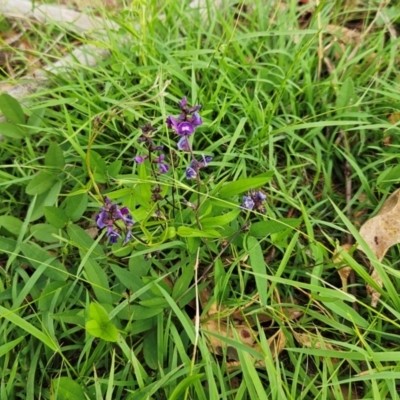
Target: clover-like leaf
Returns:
[100, 325]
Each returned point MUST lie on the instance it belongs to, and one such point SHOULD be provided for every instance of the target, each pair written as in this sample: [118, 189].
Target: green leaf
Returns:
[44, 233]
[388, 177]
[265, 228]
[83, 240]
[182, 283]
[150, 350]
[97, 278]
[54, 157]
[40, 183]
[11, 109]
[73, 316]
[6, 348]
[130, 280]
[243, 185]
[55, 216]
[7, 245]
[347, 312]
[46, 298]
[35, 120]
[186, 231]
[139, 313]
[11, 224]
[220, 220]
[64, 388]
[76, 206]
[97, 163]
[258, 265]
[11, 130]
[98, 313]
[346, 97]
[47, 198]
[15, 319]
[114, 168]
[183, 385]
[100, 325]
[36, 257]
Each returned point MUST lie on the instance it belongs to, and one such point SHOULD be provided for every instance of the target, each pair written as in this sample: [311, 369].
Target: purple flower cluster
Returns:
[254, 201]
[108, 218]
[185, 124]
[147, 138]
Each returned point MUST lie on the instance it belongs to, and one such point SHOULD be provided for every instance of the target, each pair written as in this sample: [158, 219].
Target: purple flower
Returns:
[183, 144]
[108, 217]
[140, 159]
[196, 120]
[205, 162]
[128, 237]
[194, 109]
[183, 103]
[183, 128]
[190, 173]
[248, 203]
[129, 224]
[113, 236]
[193, 169]
[261, 196]
[254, 201]
[187, 121]
[163, 168]
[157, 148]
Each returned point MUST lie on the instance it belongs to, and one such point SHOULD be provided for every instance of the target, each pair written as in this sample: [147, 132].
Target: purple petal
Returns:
[129, 220]
[196, 119]
[159, 159]
[172, 123]
[113, 237]
[100, 218]
[125, 210]
[183, 103]
[194, 109]
[185, 129]
[248, 203]
[163, 168]
[190, 173]
[206, 160]
[140, 159]
[194, 164]
[260, 195]
[128, 237]
[183, 144]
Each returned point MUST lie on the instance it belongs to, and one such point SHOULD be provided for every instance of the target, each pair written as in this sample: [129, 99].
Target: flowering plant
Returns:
[163, 198]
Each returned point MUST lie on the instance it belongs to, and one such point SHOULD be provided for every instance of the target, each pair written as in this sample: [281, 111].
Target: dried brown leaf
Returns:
[246, 335]
[276, 342]
[313, 341]
[221, 328]
[92, 232]
[380, 233]
[345, 35]
[394, 118]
